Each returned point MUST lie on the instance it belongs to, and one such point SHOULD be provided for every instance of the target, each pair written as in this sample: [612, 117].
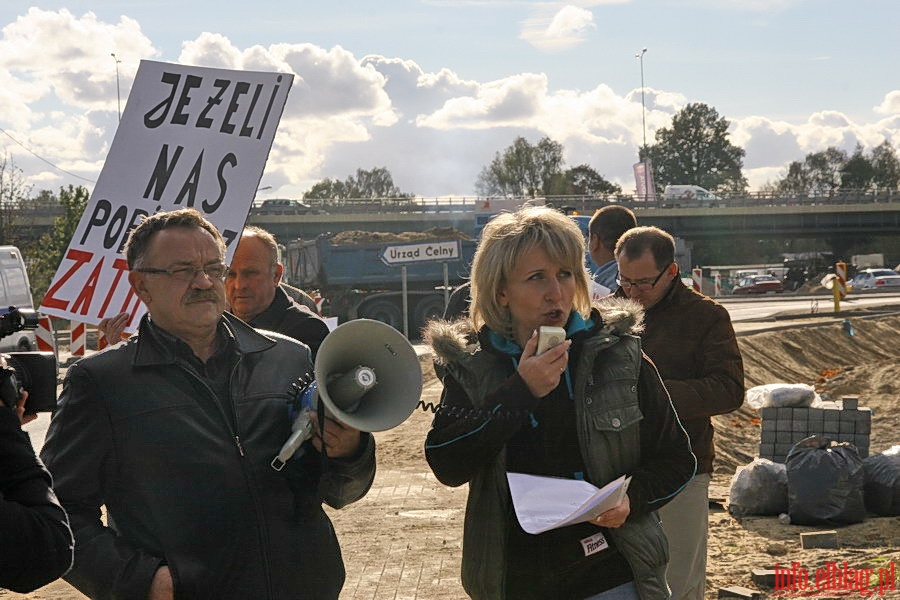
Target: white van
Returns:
[690, 194]
[15, 290]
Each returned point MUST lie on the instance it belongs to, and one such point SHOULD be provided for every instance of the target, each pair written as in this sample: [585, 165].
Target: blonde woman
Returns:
[592, 407]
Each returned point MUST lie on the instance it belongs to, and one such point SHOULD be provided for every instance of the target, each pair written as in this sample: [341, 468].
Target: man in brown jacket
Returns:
[690, 339]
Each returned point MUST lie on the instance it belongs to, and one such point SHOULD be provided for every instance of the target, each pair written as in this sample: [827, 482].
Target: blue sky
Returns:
[432, 89]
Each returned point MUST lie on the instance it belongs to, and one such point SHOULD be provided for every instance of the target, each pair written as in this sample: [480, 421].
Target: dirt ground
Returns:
[403, 540]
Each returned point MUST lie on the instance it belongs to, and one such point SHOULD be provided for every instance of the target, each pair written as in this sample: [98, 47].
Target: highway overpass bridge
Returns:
[748, 217]
[810, 220]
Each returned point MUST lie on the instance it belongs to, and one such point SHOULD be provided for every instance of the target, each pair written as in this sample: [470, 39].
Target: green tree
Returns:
[327, 189]
[46, 254]
[831, 169]
[522, 169]
[695, 150]
[585, 181]
[796, 181]
[14, 192]
[886, 166]
[374, 183]
[857, 173]
[548, 163]
[824, 170]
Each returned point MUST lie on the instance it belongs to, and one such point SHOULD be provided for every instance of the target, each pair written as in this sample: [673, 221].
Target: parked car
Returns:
[284, 206]
[876, 279]
[758, 284]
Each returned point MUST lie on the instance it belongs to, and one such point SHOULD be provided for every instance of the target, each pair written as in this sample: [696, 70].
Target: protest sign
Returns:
[190, 137]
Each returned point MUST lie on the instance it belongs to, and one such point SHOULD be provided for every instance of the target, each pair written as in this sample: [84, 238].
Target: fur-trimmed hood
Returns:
[451, 339]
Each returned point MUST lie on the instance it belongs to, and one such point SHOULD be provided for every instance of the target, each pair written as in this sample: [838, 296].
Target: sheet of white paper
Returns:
[545, 503]
[598, 291]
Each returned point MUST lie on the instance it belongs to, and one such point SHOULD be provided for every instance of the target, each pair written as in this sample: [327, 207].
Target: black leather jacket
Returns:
[188, 485]
[35, 540]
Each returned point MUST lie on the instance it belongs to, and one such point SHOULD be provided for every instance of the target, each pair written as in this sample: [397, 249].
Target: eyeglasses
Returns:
[644, 285]
[215, 271]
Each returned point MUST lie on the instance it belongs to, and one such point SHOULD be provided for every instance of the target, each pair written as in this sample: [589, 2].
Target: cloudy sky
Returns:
[432, 89]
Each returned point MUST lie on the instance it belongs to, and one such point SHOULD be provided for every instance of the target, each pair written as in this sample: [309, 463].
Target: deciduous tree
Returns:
[14, 191]
[886, 166]
[45, 255]
[696, 150]
[522, 169]
[374, 183]
[583, 180]
[824, 169]
[857, 173]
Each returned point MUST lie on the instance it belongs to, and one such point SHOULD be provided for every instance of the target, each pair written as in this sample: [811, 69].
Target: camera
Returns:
[17, 319]
[34, 372]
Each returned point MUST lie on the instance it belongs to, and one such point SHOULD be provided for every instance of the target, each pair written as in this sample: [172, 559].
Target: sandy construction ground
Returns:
[403, 540]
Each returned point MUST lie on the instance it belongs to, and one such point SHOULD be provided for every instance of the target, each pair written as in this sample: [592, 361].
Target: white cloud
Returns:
[58, 88]
[571, 21]
[72, 55]
[433, 130]
[890, 105]
[561, 30]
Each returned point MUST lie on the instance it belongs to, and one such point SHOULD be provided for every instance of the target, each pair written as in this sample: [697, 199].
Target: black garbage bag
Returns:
[882, 488]
[759, 488]
[825, 483]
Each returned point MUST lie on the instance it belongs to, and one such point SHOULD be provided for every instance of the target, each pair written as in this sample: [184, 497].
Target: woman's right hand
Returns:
[541, 372]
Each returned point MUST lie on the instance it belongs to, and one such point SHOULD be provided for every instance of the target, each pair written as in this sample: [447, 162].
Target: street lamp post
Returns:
[640, 57]
[118, 93]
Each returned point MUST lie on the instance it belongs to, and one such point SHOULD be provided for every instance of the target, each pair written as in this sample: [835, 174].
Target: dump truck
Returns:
[359, 274]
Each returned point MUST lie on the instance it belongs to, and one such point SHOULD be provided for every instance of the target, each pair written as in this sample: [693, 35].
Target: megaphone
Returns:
[367, 375]
[828, 281]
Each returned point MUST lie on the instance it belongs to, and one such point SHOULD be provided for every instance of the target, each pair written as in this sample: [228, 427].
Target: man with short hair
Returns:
[254, 293]
[174, 431]
[604, 230]
[690, 339]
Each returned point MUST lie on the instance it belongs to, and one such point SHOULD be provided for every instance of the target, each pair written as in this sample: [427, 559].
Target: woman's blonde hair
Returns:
[505, 239]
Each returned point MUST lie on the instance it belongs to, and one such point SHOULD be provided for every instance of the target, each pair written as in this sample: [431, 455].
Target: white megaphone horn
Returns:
[368, 376]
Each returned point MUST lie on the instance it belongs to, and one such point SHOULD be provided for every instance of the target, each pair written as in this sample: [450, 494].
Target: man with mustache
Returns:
[174, 431]
[256, 294]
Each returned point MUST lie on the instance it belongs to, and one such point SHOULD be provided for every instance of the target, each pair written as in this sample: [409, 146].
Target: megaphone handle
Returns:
[300, 435]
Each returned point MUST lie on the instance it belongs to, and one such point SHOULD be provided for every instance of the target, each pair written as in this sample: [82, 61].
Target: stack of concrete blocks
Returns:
[842, 421]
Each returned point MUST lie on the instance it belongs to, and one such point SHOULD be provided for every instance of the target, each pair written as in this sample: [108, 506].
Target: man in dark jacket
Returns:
[255, 296]
[690, 339]
[174, 431]
[35, 539]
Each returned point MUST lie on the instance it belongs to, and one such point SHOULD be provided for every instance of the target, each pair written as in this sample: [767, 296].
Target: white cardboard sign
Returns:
[190, 137]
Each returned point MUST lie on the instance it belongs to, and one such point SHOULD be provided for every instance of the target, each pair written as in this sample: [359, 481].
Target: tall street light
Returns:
[640, 57]
[118, 93]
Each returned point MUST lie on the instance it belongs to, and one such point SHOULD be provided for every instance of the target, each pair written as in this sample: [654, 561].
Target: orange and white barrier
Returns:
[79, 339]
[840, 270]
[697, 277]
[44, 335]
[319, 300]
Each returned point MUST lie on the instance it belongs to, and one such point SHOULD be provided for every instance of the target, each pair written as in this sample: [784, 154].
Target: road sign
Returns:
[407, 254]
